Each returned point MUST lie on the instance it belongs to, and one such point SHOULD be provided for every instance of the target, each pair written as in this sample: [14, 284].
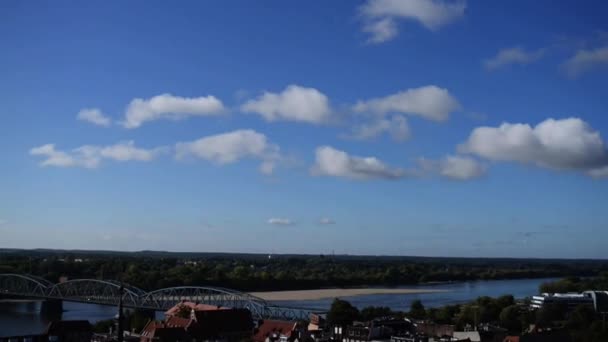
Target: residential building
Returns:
[378, 329]
[217, 324]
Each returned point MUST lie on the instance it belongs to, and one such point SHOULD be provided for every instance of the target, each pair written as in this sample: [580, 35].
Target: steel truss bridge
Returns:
[106, 292]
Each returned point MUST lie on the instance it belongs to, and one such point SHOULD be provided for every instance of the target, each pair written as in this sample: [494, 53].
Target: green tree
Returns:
[371, 312]
[550, 313]
[342, 313]
[510, 319]
[581, 318]
[183, 311]
[103, 326]
[417, 310]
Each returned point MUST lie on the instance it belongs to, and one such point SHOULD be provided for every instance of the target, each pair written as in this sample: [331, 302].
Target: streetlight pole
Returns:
[120, 328]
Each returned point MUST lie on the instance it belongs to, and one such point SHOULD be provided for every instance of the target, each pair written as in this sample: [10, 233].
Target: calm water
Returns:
[24, 318]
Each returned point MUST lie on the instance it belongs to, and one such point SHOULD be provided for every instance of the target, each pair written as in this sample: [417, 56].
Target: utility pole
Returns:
[119, 329]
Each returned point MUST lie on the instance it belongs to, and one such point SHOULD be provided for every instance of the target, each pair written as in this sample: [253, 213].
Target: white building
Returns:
[571, 300]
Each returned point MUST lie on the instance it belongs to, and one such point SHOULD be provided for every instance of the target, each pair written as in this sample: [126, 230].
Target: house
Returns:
[274, 330]
[378, 329]
[217, 324]
[224, 325]
[161, 332]
[472, 336]
[434, 329]
[69, 331]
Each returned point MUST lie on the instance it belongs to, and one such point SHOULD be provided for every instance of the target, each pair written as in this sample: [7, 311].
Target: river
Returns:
[24, 318]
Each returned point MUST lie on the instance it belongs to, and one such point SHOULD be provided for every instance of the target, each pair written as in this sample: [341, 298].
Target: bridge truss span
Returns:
[107, 292]
[96, 291]
[20, 284]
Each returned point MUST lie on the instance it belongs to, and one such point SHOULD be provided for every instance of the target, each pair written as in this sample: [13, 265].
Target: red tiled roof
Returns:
[269, 327]
[193, 306]
[175, 321]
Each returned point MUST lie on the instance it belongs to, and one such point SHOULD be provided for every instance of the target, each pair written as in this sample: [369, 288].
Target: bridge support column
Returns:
[51, 307]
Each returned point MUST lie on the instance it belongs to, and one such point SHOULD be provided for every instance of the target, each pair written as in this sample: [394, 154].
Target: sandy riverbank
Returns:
[333, 293]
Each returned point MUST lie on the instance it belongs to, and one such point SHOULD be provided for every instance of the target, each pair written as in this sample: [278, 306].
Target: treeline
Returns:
[284, 273]
[576, 284]
[583, 324]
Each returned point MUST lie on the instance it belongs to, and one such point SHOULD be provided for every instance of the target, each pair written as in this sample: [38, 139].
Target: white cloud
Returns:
[601, 172]
[94, 116]
[381, 30]
[167, 106]
[336, 163]
[397, 127]
[294, 103]
[90, 156]
[326, 220]
[460, 168]
[126, 151]
[557, 144]
[586, 60]
[429, 102]
[452, 167]
[280, 221]
[380, 15]
[515, 55]
[3, 222]
[77, 158]
[231, 147]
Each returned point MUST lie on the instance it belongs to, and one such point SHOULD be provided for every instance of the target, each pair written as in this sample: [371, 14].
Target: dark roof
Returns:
[61, 327]
[217, 323]
[269, 327]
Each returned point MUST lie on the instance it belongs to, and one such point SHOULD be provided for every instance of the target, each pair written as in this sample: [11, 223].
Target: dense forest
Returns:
[154, 270]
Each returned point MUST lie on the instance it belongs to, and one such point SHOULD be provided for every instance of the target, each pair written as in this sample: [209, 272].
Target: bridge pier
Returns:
[51, 307]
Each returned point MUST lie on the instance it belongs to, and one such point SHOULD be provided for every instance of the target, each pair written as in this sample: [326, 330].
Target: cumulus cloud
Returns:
[91, 156]
[586, 60]
[326, 220]
[280, 221]
[452, 167]
[514, 55]
[94, 116]
[294, 103]
[227, 148]
[601, 172]
[167, 106]
[336, 163]
[565, 144]
[380, 16]
[429, 102]
[397, 127]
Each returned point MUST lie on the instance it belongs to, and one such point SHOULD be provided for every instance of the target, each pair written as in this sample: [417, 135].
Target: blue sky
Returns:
[418, 127]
